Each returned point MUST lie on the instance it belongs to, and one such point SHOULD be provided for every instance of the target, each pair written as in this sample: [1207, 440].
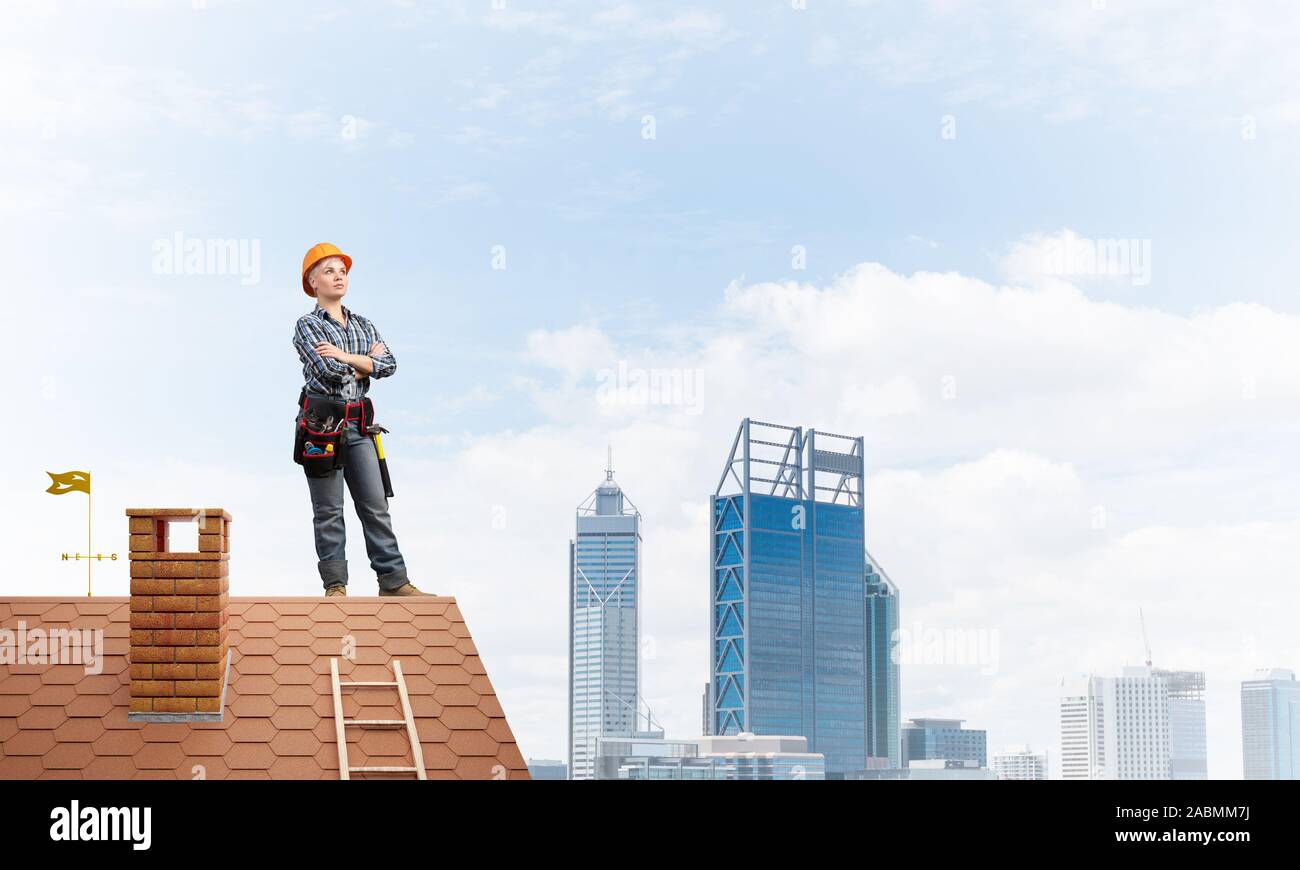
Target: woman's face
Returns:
[330, 280]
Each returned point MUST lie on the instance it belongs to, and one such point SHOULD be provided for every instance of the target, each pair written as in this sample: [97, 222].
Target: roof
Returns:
[58, 721]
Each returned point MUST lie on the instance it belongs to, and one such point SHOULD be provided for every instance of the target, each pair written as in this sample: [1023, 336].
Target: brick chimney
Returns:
[179, 654]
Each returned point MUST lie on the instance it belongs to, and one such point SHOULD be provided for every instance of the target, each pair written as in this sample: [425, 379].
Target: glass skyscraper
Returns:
[1187, 743]
[1270, 725]
[788, 592]
[882, 666]
[604, 623]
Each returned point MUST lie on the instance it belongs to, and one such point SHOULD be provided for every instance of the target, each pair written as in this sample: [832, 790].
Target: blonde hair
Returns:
[311, 273]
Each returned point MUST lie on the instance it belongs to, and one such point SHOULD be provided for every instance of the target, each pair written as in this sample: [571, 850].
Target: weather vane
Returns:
[79, 481]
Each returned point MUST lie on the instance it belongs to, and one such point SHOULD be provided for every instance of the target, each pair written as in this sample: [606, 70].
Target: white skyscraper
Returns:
[1020, 763]
[1081, 728]
[604, 624]
[1116, 727]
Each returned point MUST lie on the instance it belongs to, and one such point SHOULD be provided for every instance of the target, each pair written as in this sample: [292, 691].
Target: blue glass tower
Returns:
[1270, 725]
[788, 613]
[883, 734]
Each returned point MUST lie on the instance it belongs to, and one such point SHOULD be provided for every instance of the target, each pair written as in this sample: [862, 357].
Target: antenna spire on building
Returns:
[609, 462]
[1145, 641]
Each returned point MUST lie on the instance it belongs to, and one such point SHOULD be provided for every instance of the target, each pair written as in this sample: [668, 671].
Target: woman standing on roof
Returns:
[341, 351]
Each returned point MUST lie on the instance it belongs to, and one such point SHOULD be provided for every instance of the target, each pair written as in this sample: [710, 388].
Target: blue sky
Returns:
[425, 138]
[522, 128]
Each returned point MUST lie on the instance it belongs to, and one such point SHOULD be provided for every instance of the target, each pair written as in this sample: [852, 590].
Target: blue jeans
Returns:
[361, 471]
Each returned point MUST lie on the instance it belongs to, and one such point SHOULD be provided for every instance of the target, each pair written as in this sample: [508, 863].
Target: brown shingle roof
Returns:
[58, 721]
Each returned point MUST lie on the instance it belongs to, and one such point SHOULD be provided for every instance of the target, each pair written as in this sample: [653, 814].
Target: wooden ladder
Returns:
[408, 720]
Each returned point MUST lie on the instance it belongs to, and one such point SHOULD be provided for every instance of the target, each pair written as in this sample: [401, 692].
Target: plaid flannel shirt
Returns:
[332, 377]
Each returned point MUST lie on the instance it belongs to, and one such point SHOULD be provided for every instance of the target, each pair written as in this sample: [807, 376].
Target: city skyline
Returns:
[1148, 723]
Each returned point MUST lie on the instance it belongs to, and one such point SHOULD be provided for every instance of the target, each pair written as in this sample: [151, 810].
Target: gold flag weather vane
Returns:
[78, 481]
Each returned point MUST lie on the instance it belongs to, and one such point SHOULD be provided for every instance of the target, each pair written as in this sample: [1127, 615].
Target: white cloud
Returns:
[574, 351]
[78, 97]
[490, 97]
[1073, 60]
[1067, 256]
[324, 17]
[615, 62]
[618, 21]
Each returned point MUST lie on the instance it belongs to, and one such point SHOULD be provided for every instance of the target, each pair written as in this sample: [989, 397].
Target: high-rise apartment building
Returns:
[1020, 763]
[1116, 727]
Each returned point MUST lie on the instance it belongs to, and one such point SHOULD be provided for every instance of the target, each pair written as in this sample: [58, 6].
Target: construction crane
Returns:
[1145, 641]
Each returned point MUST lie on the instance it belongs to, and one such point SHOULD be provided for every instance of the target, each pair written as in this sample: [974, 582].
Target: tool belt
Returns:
[320, 441]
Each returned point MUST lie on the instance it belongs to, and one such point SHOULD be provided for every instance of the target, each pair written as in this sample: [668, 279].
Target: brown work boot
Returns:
[408, 589]
[336, 590]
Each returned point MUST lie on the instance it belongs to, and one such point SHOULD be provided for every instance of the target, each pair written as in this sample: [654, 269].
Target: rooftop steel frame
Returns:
[797, 466]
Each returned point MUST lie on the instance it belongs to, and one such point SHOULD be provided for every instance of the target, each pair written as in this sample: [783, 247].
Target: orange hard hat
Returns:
[317, 253]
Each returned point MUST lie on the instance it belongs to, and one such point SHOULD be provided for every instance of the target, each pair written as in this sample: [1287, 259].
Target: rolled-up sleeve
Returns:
[305, 338]
[386, 363]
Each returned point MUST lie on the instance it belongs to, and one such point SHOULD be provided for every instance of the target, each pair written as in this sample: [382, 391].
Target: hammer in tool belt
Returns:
[373, 431]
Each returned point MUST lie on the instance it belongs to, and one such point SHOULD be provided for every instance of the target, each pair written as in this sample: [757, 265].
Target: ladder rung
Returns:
[396, 723]
[408, 722]
[381, 769]
[368, 683]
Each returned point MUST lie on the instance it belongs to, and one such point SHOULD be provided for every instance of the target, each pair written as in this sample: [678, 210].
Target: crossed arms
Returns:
[330, 364]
